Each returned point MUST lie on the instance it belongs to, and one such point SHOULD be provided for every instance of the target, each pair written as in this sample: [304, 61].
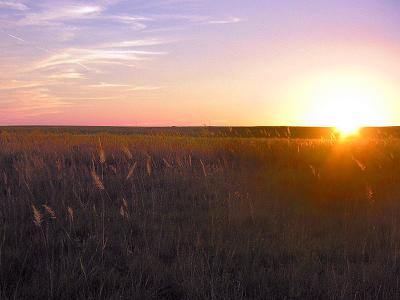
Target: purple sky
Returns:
[194, 62]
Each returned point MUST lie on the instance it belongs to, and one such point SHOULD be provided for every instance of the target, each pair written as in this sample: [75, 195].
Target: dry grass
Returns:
[152, 217]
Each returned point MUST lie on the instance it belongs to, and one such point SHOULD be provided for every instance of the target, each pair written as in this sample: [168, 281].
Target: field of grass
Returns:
[106, 215]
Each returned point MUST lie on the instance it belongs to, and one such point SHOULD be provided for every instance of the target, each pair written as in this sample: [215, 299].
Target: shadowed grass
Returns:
[169, 217]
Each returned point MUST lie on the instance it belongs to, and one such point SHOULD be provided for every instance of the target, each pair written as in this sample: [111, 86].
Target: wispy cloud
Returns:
[62, 14]
[145, 88]
[95, 56]
[137, 22]
[19, 39]
[73, 12]
[107, 85]
[230, 20]
[31, 102]
[67, 75]
[13, 5]
[59, 53]
[125, 87]
[15, 37]
[16, 85]
[135, 43]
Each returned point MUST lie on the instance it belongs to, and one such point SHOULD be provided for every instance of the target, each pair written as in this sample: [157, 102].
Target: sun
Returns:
[347, 113]
[348, 129]
[346, 103]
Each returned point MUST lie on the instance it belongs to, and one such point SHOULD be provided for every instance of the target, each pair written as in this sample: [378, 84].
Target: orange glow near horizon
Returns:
[122, 63]
[346, 131]
[348, 102]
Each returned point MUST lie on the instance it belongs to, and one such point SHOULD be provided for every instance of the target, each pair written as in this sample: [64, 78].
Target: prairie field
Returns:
[104, 215]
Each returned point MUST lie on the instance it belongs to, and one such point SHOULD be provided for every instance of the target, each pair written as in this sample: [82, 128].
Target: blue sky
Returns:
[189, 62]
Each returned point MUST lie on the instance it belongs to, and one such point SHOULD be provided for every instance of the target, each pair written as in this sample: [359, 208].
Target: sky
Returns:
[199, 62]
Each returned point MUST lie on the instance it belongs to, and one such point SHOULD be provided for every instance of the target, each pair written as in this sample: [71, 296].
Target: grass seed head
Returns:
[70, 213]
[167, 164]
[148, 166]
[102, 156]
[204, 168]
[50, 211]
[97, 181]
[127, 152]
[37, 216]
[125, 203]
[131, 170]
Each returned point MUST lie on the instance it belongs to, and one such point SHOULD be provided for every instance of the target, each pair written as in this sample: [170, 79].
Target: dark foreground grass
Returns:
[145, 217]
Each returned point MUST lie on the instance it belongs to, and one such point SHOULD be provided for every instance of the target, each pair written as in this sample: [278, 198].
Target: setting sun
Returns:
[348, 129]
[347, 102]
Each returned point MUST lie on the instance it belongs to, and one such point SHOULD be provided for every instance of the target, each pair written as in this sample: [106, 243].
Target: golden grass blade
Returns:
[131, 170]
[50, 211]
[204, 168]
[70, 213]
[127, 152]
[148, 166]
[37, 216]
[97, 181]
[102, 156]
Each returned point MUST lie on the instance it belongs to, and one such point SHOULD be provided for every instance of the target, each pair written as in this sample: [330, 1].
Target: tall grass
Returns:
[164, 217]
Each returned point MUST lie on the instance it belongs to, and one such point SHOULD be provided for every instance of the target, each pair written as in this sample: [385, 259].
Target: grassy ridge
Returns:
[169, 217]
[210, 131]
